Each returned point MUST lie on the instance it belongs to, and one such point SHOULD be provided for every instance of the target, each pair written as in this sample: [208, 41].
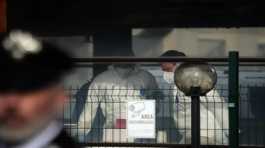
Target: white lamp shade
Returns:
[195, 75]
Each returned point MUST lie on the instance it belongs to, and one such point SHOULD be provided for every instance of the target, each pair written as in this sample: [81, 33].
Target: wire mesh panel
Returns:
[251, 106]
[97, 112]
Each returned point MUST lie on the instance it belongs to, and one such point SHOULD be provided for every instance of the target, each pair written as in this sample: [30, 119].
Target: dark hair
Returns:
[172, 53]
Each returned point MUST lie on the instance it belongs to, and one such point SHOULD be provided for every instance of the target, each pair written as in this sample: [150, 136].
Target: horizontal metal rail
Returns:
[163, 59]
[90, 65]
[157, 145]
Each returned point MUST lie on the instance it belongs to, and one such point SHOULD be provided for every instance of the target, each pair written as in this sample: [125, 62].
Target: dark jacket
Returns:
[63, 140]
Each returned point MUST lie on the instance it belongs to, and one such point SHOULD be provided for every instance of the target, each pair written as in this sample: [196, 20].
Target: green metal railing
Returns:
[233, 103]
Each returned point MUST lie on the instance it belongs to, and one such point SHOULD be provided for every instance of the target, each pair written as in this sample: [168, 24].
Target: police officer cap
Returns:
[28, 64]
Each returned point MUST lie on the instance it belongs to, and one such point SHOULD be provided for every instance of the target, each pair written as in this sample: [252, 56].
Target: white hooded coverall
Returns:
[110, 91]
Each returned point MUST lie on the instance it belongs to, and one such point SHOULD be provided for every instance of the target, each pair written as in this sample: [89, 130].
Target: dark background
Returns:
[110, 21]
[77, 16]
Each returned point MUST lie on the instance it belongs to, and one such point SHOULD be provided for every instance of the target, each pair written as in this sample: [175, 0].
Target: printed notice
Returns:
[141, 119]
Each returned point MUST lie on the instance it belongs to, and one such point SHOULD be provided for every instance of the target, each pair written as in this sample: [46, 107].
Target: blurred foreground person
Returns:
[214, 109]
[31, 93]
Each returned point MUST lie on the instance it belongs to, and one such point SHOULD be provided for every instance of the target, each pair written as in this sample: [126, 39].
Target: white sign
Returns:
[141, 119]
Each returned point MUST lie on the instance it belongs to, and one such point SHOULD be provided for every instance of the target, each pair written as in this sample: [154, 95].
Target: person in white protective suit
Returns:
[110, 91]
[214, 110]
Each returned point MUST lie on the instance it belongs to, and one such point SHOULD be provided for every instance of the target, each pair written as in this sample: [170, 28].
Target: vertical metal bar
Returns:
[233, 99]
[195, 121]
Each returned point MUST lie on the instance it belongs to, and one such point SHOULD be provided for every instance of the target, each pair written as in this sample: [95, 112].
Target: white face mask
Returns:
[168, 77]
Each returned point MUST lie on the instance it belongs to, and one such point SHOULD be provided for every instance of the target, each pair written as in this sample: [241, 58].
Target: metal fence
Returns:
[97, 116]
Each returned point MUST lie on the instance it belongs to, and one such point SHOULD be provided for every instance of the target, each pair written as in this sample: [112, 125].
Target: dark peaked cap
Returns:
[28, 64]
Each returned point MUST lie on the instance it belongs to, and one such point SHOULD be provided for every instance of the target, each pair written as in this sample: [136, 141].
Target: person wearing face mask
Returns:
[214, 110]
[169, 68]
[166, 125]
[110, 91]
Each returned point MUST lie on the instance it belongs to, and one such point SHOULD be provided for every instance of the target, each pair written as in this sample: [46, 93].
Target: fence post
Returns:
[195, 122]
[233, 84]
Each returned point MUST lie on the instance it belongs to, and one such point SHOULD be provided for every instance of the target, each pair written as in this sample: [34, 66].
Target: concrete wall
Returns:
[245, 40]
